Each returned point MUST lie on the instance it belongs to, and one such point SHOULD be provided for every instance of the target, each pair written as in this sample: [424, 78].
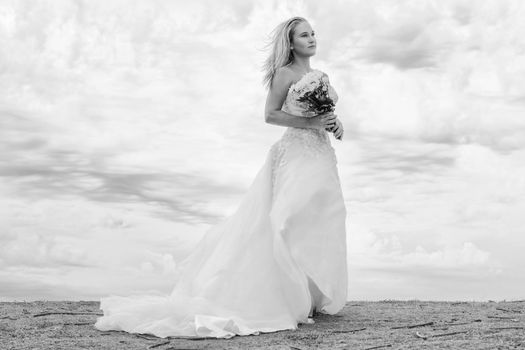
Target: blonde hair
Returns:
[280, 55]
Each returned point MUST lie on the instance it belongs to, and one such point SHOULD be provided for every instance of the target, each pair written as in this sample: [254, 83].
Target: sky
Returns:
[128, 128]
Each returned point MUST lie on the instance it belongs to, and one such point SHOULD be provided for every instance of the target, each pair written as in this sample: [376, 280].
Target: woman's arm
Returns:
[277, 94]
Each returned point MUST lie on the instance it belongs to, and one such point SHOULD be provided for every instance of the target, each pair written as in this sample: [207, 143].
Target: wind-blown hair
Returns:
[280, 46]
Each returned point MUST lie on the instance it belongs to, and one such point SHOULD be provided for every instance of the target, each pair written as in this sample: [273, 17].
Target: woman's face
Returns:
[303, 40]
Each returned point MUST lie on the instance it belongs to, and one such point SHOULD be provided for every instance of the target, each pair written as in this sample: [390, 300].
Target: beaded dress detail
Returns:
[265, 267]
[312, 142]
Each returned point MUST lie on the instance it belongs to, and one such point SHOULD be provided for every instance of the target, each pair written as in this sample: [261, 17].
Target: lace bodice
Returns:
[314, 140]
[310, 142]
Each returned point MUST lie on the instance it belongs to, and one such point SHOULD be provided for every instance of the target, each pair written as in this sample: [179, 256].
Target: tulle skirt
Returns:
[265, 267]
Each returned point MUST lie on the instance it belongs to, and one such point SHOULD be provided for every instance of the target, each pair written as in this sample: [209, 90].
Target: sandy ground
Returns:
[387, 324]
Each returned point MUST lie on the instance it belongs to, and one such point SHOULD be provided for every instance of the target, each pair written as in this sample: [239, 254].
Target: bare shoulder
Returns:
[322, 73]
[284, 77]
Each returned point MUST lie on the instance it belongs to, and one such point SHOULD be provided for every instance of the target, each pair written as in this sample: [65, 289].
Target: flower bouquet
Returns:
[317, 99]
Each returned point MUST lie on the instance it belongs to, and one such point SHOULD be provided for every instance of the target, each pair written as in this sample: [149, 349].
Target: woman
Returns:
[281, 256]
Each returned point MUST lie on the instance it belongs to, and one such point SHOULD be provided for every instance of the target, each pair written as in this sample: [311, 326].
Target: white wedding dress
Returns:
[265, 267]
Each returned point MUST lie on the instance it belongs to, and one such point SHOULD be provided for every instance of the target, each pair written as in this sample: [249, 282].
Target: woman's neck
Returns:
[302, 64]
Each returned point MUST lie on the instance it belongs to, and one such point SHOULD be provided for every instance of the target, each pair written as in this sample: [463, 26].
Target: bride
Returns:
[281, 256]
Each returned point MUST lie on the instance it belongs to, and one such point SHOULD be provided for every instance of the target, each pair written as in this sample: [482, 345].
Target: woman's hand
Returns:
[338, 130]
[323, 121]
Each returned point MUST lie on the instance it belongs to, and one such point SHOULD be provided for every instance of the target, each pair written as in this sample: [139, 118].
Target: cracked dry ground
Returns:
[386, 324]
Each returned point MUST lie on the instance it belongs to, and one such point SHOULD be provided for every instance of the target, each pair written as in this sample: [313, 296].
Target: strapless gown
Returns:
[265, 267]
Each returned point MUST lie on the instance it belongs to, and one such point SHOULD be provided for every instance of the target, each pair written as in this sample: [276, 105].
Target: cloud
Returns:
[34, 249]
[468, 255]
[406, 44]
[16, 287]
[404, 158]
[370, 251]
[162, 263]
[140, 130]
